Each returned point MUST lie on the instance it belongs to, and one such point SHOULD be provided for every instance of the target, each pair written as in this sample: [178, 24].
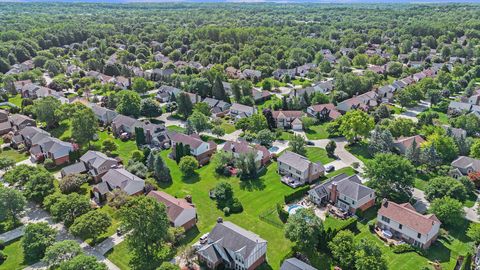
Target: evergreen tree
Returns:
[270, 121]
[139, 136]
[413, 153]
[218, 90]
[151, 160]
[161, 171]
[178, 152]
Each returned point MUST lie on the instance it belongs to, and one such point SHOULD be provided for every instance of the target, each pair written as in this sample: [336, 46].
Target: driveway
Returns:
[412, 113]
[344, 158]
[170, 121]
[422, 204]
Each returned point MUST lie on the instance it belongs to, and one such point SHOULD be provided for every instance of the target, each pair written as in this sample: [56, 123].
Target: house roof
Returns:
[235, 238]
[18, 119]
[241, 147]
[124, 180]
[193, 140]
[465, 162]
[297, 161]
[287, 114]
[408, 141]
[406, 215]
[295, 264]
[460, 106]
[334, 114]
[242, 108]
[211, 102]
[29, 132]
[78, 167]
[174, 206]
[96, 159]
[350, 186]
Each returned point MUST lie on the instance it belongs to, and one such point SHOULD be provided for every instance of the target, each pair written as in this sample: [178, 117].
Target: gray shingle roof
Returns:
[295, 264]
[350, 186]
[296, 161]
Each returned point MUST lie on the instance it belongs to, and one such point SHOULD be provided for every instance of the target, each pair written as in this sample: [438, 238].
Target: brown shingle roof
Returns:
[174, 206]
[406, 215]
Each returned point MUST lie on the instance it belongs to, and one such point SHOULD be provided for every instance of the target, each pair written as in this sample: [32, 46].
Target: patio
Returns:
[291, 182]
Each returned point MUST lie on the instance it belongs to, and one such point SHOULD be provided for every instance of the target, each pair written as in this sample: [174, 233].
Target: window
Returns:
[400, 226]
[419, 235]
[385, 219]
[353, 202]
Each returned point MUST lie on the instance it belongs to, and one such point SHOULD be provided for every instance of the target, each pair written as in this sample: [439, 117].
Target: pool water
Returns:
[292, 209]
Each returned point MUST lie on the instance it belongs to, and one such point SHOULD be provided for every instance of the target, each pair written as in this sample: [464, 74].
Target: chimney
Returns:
[333, 192]
[219, 220]
[385, 202]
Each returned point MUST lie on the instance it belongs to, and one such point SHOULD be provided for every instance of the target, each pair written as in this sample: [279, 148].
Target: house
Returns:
[233, 247]
[118, 178]
[51, 148]
[464, 165]
[18, 85]
[34, 91]
[104, 115]
[259, 96]
[365, 101]
[404, 222]
[194, 98]
[288, 119]
[5, 125]
[297, 167]
[124, 124]
[94, 162]
[419, 76]
[402, 144]
[262, 155]
[295, 264]
[474, 99]
[233, 73]
[323, 111]
[28, 136]
[345, 192]
[238, 111]
[20, 121]
[201, 150]
[165, 93]
[252, 74]
[159, 74]
[459, 107]
[303, 70]
[398, 85]
[378, 69]
[457, 133]
[180, 212]
[121, 82]
[281, 73]
[155, 134]
[386, 92]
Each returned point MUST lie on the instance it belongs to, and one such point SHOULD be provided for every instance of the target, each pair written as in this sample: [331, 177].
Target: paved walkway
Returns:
[412, 113]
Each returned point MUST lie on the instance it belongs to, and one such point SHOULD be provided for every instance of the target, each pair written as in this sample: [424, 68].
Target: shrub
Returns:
[236, 206]
[282, 213]
[297, 194]
[49, 163]
[371, 225]
[2, 244]
[226, 211]
[3, 256]
[402, 248]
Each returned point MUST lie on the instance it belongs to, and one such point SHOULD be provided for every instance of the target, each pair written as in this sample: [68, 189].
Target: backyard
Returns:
[13, 154]
[317, 154]
[15, 259]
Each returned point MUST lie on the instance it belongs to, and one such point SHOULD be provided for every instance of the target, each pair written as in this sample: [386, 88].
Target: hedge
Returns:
[297, 194]
[467, 262]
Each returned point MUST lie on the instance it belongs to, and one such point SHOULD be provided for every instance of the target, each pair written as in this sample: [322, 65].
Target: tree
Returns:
[71, 183]
[109, 145]
[168, 266]
[185, 105]
[330, 148]
[297, 143]
[84, 126]
[147, 223]
[444, 186]
[381, 141]
[369, 256]
[140, 85]
[218, 131]
[475, 149]
[39, 185]
[12, 203]
[356, 123]
[61, 252]
[118, 198]
[160, 169]
[6, 163]
[188, 165]
[129, 103]
[202, 107]
[391, 176]
[343, 249]
[265, 137]
[444, 146]
[430, 157]
[448, 210]
[413, 153]
[473, 232]
[360, 60]
[66, 208]
[91, 225]
[199, 121]
[36, 239]
[304, 229]
[150, 108]
[218, 90]
[307, 122]
[83, 262]
[269, 117]
[139, 136]
[45, 110]
[223, 192]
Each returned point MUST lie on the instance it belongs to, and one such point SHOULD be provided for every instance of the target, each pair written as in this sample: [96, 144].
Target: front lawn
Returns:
[316, 154]
[346, 170]
[17, 156]
[229, 128]
[317, 132]
[361, 151]
[124, 148]
[17, 100]
[120, 255]
[176, 129]
[15, 259]
[257, 196]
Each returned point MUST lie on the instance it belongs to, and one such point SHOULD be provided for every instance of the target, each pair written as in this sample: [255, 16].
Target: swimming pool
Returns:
[292, 209]
[273, 149]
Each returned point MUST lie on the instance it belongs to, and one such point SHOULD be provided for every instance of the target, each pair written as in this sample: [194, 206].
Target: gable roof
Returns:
[406, 215]
[193, 140]
[465, 162]
[124, 180]
[242, 108]
[287, 114]
[295, 264]
[95, 158]
[334, 113]
[350, 186]
[174, 206]
[408, 141]
[297, 161]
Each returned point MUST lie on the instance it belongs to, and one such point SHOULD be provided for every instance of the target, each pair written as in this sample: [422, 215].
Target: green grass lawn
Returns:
[361, 151]
[63, 131]
[120, 255]
[420, 183]
[317, 132]
[14, 154]
[15, 259]
[17, 100]
[229, 128]
[346, 170]
[268, 103]
[285, 136]
[176, 129]
[257, 196]
[124, 148]
[316, 154]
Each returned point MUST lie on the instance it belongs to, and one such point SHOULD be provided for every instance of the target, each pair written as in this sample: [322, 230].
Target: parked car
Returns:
[330, 168]
[310, 143]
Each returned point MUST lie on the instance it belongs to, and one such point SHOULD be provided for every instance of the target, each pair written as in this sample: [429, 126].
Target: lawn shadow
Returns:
[189, 236]
[59, 130]
[191, 179]
[164, 185]
[252, 184]
[438, 252]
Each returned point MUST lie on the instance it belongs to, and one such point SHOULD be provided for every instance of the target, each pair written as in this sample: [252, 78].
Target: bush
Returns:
[282, 213]
[467, 262]
[2, 244]
[297, 194]
[236, 206]
[49, 163]
[371, 225]
[402, 248]
[226, 211]
[3, 256]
